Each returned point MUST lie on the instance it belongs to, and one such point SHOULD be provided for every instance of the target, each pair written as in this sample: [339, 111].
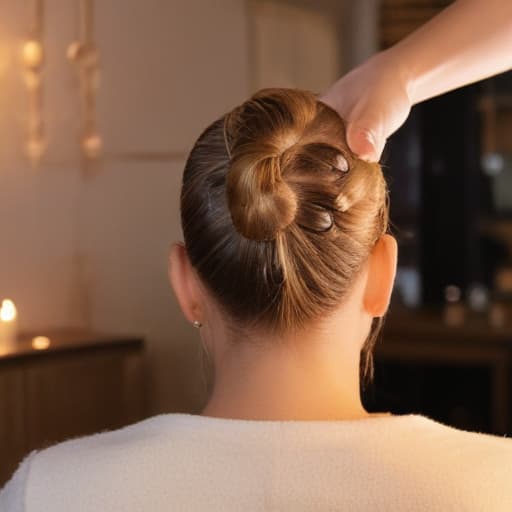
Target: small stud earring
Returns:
[197, 323]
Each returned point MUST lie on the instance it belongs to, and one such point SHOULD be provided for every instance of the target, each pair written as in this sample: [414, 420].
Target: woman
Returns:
[286, 273]
[286, 269]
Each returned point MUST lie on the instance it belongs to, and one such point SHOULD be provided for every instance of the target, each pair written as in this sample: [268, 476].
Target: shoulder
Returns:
[470, 469]
[88, 464]
[12, 495]
[435, 431]
[109, 448]
[454, 444]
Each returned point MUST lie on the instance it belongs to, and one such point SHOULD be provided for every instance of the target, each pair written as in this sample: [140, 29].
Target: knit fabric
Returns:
[194, 463]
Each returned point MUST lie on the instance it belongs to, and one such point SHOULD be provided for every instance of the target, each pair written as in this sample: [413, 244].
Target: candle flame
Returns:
[7, 311]
[40, 342]
[32, 53]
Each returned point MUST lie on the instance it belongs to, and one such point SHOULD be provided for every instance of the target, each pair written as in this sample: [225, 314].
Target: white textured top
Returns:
[189, 462]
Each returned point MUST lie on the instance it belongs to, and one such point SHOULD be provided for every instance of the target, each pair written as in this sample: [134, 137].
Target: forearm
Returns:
[468, 41]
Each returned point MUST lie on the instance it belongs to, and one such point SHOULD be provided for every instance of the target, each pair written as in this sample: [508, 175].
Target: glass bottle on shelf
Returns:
[454, 310]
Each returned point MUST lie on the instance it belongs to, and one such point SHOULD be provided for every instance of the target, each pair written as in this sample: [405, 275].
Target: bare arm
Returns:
[468, 41]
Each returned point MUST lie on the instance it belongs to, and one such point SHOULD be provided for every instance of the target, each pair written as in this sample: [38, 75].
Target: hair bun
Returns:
[259, 135]
[261, 203]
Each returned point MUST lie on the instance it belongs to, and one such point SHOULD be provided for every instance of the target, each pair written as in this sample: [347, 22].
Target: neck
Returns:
[316, 379]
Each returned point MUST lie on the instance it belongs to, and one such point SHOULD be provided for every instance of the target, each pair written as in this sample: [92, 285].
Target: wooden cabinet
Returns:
[81, 384]
[457, 375]
[12, 424]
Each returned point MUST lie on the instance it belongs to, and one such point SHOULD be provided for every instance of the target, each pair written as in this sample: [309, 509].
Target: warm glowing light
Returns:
[40, 343]
[7, 311]
[73, 51]
[8, 324]
[33, 54]
[92, 146]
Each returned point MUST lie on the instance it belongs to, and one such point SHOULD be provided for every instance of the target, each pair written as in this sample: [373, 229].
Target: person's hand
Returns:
[373, 99]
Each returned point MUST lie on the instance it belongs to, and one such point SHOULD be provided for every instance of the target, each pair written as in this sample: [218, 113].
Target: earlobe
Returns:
[381, 276]
[183, 282]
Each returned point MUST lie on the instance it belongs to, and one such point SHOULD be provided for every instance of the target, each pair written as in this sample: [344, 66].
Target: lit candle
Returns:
[8, 328]
[40, 342]
[33, 54]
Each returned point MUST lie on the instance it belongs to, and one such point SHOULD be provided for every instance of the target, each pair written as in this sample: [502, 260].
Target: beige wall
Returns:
[170, 67]
[92, 250]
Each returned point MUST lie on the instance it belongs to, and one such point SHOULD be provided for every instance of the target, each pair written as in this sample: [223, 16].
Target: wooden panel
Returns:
[74, 394]
[134, 388]
[82, 384]
[12, 424]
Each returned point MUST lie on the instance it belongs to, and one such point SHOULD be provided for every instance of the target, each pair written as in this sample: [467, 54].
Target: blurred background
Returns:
[100, 103]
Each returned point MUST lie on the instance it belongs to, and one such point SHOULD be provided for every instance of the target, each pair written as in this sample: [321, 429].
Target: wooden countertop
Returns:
[65, 340]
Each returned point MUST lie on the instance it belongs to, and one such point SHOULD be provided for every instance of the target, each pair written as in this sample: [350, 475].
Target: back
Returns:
[191, 462]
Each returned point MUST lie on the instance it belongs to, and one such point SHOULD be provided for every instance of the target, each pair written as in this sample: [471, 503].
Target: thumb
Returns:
[362, 141]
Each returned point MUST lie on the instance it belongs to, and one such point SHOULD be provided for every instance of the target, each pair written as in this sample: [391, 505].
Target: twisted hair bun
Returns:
[289, 164]
[260, 136]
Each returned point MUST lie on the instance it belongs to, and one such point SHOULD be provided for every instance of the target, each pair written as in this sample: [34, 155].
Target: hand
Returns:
[373, 99]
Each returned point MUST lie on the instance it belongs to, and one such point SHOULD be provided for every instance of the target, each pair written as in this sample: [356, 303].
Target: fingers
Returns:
[361, 139]
[363, 143]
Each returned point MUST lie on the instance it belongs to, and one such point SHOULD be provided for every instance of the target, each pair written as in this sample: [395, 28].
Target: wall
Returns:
[169, 69]
[90, 249]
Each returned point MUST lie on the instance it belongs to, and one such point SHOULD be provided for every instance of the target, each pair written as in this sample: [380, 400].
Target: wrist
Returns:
[403, 73]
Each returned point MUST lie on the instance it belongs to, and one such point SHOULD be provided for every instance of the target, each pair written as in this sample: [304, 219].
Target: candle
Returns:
[8, 328]
[40, 342]
[32, 54]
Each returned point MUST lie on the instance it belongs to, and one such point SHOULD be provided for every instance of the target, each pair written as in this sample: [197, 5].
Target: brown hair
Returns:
[278, 214]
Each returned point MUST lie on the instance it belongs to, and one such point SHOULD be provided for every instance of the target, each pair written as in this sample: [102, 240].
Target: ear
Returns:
[381, 276]
[184, 283]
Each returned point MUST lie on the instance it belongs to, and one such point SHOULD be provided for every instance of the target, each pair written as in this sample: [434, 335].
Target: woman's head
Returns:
[279, 217]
